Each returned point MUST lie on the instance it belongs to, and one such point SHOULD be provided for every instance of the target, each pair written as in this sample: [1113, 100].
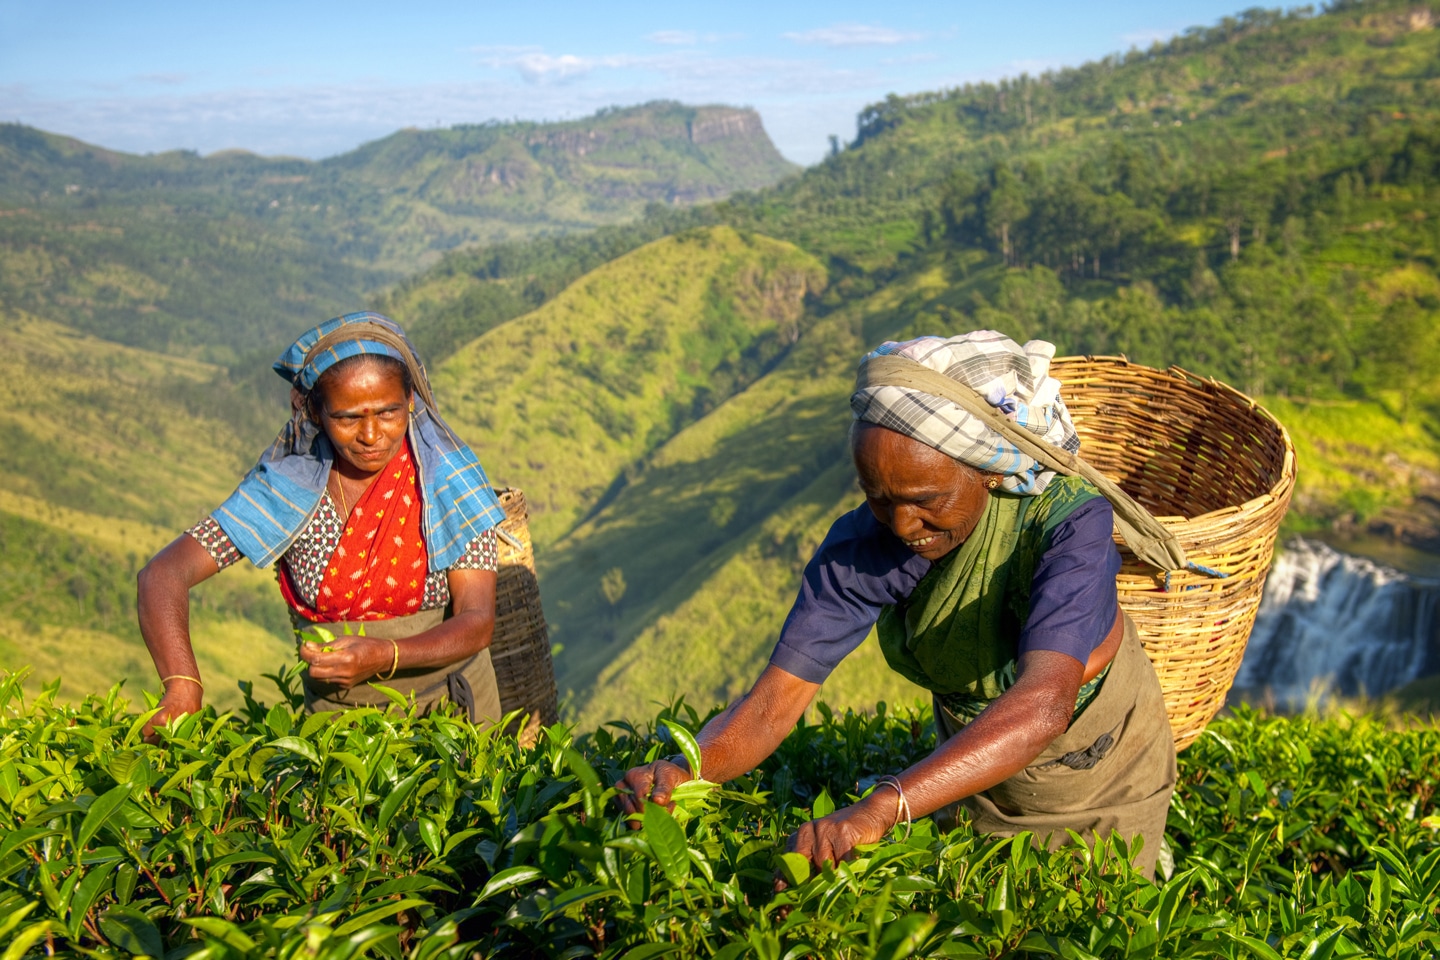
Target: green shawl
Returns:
[958, 632]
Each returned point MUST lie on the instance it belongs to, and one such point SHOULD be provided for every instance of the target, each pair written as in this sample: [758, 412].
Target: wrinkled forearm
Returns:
[749, 730]
[1006, 737]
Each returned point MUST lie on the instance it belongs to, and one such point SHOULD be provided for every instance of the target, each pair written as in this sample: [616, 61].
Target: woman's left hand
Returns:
[348, 661]
[834, 838]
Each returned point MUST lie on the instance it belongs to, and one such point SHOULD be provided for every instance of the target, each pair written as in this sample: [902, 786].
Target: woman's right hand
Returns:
[177, 702]
[654, 782]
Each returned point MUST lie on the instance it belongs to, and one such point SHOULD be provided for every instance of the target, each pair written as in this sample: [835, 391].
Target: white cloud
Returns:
[674, 38]
[853, 35]
[544, 68]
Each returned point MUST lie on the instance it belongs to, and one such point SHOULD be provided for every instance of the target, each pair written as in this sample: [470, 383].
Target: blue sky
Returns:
[315, 79]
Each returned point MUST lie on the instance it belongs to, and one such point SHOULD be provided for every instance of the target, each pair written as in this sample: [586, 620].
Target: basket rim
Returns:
[1284, 484]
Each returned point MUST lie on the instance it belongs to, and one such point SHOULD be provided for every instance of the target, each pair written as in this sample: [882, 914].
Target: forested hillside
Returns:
[229, 254]
[1254, 201]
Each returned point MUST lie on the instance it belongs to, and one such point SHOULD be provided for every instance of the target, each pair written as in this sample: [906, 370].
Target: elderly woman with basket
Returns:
[383, 525]
[987, 568]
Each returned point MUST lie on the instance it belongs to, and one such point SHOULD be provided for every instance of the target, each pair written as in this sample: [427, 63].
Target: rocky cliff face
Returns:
[711, 124]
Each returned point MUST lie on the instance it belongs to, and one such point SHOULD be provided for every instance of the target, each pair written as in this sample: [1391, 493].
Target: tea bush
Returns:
[269, 833]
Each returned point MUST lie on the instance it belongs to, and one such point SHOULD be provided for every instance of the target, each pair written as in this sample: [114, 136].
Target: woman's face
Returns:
[925, 498]
[365, 411]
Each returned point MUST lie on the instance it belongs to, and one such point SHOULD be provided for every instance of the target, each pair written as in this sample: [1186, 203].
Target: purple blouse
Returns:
[861, 566]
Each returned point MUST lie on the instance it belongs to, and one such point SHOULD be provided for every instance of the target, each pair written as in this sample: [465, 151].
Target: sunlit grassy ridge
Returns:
[563, 400]
[106, 461]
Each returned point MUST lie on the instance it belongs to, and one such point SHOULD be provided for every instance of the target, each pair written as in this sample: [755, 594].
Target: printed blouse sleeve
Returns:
[858, 569]
[1073, 599]
[482, 553]
[216, 542]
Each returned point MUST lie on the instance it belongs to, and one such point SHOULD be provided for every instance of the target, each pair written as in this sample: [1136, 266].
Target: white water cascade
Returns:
[1335, 623]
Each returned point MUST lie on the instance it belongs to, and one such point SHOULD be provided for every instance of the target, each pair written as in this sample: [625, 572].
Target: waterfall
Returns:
[1332, 622]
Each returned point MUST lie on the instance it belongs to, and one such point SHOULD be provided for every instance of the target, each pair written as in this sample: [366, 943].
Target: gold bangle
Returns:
[181, 676]
[395, 663]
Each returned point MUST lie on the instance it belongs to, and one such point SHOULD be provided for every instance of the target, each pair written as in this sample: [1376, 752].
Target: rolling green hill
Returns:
[1254, 201]
[229, 254]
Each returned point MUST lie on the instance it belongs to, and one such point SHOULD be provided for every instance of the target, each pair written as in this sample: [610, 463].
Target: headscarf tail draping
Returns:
[279, 494]
[1025, 452]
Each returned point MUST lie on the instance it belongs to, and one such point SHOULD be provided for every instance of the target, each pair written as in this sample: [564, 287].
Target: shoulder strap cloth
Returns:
[1147, 538]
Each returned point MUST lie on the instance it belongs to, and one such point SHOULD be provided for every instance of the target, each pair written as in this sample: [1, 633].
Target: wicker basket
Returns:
[520, 649]
[1218, 470]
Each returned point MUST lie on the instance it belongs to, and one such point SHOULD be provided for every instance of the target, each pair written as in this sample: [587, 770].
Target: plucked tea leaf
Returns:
[688, 745]
[794, 867]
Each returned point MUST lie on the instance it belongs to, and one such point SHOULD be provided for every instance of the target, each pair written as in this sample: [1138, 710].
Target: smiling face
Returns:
[364, 410]
[925, 498]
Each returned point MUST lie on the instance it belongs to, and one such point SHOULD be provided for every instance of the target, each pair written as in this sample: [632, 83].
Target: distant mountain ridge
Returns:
[232, 252]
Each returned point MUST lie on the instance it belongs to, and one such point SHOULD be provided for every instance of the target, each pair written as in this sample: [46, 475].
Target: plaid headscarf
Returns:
[1015, 380]
[280, 493]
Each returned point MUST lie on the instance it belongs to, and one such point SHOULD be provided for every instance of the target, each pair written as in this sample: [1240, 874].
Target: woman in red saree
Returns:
[381, 521]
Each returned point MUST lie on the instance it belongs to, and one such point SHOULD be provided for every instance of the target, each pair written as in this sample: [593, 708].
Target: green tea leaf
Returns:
[296, 745]
[430, 835]
[794, 867]
[688, 745]
[391, 805]
[131, 930]
[903, 936]
[508, 879]
[823, 805]
[101, 811]
[667, 843]
[1256, 948]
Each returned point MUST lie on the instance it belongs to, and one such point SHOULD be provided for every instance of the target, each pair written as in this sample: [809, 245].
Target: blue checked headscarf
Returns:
[280, 493]
[1012, 378]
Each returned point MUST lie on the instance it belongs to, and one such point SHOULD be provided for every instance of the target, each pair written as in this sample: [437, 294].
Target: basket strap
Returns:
[1147, 537]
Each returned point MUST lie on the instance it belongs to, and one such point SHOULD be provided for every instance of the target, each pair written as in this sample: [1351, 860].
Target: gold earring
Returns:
[412, 406]
[992, 483]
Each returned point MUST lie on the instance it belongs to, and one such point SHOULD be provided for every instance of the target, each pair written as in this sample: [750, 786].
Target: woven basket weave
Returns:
[520, 649]
[1218, 470]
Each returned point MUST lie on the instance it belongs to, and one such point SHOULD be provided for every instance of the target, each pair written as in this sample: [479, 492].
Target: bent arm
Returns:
[1006, 737]
[162, 602]
[733, 743]
[353, 660]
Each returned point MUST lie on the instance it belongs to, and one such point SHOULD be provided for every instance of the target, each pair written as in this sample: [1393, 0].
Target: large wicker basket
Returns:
[520, 649]
[1218, 470]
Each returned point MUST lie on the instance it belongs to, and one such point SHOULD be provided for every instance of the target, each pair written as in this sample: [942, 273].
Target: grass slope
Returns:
[563, 401]
[104, 464]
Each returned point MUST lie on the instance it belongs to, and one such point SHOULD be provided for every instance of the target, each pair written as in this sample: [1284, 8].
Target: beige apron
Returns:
[1112, 772]
[469, 684]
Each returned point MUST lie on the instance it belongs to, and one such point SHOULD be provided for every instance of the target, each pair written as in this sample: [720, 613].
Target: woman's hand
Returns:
[834, 838]
[348, 661]
[179, 700]
[654, 782]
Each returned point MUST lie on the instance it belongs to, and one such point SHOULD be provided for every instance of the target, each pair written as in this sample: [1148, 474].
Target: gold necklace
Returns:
[340, 486]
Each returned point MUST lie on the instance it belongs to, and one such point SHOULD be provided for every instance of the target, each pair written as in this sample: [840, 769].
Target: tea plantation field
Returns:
[267, 833]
